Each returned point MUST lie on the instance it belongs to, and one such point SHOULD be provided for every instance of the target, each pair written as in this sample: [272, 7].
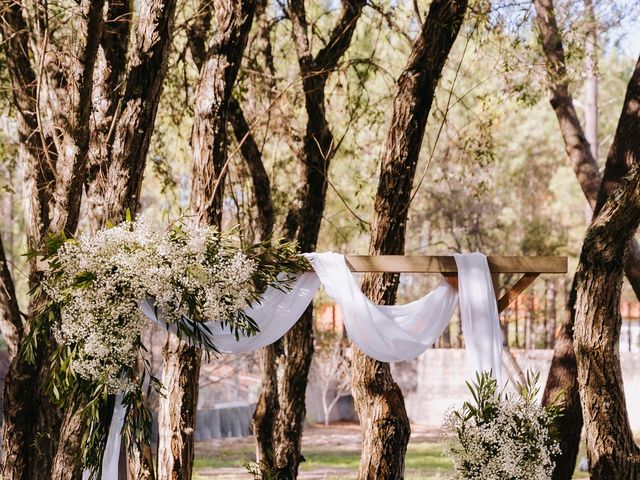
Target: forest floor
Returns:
[331, 453]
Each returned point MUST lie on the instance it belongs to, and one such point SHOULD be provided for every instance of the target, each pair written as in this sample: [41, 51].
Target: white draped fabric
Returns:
[391, 333]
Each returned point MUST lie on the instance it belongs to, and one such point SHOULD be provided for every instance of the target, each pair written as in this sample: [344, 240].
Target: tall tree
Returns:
[55, 160]
[218, 65]
[611, 449]
[562, 377]
[379, 401]
[304, 222]
[55, 100]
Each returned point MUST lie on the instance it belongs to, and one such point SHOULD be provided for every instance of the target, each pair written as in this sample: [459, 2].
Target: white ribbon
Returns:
[388, 333]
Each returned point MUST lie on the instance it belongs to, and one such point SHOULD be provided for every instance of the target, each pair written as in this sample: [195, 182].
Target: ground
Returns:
[332, 453]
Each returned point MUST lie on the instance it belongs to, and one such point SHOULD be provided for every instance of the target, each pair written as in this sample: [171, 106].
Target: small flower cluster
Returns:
[97, 282]
[502, 437]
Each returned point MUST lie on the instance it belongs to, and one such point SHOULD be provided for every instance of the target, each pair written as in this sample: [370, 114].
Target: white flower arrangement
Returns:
[500, 436]
[98, 281]
[89, 301]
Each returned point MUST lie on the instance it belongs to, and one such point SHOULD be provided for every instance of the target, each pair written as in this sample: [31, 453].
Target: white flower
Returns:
[186, 271]
[505, 439]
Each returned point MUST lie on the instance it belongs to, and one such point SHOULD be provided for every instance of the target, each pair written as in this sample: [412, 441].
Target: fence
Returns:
[530, 323]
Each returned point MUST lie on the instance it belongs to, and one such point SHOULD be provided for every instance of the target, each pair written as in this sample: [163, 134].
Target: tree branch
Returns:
[146, 71]
[253, 157]
[10, 321]
[578, 149]
[72, 161]
[198, 30]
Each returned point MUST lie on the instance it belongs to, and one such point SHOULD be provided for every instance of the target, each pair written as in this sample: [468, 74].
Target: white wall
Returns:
[436, 381]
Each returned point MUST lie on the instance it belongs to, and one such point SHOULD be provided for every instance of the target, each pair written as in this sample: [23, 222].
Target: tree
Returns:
[378, 399]
[611, 449]
[330, 370]
[77, 50]
[218, 67]
[563, 373]
[304, 220]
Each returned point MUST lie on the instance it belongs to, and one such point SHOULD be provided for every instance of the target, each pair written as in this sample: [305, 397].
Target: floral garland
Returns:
[503, 437]
[91, 292]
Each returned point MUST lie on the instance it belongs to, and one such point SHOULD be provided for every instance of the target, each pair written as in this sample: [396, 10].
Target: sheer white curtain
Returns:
[387, 333]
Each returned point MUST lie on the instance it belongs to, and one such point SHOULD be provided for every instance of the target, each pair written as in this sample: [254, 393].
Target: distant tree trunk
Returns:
[318, 149]
[218, 65]
[591, 79]
[550, 313]
[379, 401]
[528, 322]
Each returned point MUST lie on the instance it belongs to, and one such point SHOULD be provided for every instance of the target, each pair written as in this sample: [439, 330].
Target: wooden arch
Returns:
[529, 267]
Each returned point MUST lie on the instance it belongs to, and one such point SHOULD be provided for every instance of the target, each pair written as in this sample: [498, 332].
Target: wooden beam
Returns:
[513, 292]
[447, 264]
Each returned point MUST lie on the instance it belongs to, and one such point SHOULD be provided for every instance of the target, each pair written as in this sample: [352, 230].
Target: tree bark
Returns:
[379, 401]
[218, 65]
[563, 373]
[610, 447]
[146, 71]
[318, 149]
[109, 85]
[30, 421]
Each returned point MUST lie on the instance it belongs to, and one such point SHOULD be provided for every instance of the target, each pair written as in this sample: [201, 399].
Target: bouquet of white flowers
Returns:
[500, 436]
[90, 295]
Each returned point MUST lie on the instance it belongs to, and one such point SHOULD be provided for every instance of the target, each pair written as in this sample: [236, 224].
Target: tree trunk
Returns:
[612, 453]
[596, 188]
[177, 412]
[563, 380]
[218, 67]
[263, 420]
[147, 68]
[108, 90]
[550, 314]
[610, 446]
[378, 399]
[22, 405]
[318, 148]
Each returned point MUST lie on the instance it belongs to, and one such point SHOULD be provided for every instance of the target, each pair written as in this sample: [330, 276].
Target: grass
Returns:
[424, 461]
